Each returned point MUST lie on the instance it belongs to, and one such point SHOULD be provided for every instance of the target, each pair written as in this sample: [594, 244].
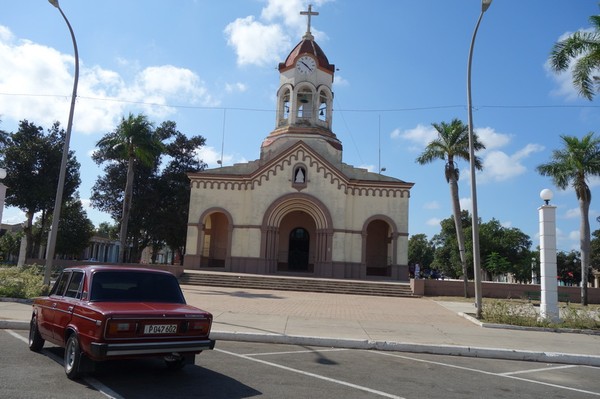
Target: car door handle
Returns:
[54, 305]
[70, 308]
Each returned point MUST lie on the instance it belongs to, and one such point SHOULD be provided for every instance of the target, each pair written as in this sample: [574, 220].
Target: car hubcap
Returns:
[69, 355]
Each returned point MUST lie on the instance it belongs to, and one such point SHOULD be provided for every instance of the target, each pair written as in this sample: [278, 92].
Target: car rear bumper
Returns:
[106, 350]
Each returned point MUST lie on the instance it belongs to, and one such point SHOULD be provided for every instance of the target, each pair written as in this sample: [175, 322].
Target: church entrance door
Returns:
[378, 241]
[299, 245]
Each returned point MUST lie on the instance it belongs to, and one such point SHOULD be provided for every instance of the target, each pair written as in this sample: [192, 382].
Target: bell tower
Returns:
[305, 99]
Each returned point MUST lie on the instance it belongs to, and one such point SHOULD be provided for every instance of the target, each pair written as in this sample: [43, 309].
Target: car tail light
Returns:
[198, 326]
[120, 329]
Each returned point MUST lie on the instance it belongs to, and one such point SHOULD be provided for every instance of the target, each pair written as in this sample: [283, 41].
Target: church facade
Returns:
[298, 209]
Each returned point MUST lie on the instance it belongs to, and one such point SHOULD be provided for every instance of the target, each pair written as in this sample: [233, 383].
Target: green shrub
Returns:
[525, 314]
[22, 282]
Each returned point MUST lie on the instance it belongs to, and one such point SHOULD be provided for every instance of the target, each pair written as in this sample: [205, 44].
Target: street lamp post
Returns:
[485, 4]
[51, 246]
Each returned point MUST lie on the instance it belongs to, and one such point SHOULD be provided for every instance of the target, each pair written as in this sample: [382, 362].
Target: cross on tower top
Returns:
[308, 13]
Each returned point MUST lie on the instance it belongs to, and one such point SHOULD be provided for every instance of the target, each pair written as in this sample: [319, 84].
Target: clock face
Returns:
[306, 65]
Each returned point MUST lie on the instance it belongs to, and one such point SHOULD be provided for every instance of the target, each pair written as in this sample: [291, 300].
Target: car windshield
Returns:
[135, 286]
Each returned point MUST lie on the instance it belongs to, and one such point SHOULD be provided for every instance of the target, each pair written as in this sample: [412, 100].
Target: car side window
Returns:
[61, 284]
[74, 288]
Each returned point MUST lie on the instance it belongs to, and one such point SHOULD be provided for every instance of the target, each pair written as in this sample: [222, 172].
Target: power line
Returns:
[365, 110]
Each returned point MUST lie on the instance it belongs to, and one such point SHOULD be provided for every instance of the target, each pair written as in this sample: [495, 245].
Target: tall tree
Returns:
[446, 257]
[75, 230]
[452, 144]
[573, 165]
[506, 250]
[583, 49]
[32, 162]
[134, 141]
[173, 189]
[420, 251]
[167, 188]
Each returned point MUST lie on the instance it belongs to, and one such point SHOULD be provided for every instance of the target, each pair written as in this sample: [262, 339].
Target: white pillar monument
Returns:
[2, 192]
[549, 287]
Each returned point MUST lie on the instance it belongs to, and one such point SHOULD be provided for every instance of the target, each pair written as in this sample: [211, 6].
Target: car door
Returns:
[48, 305]
[66, 304]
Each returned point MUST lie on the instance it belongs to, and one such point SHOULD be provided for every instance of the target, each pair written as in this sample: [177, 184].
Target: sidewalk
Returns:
[365, 322]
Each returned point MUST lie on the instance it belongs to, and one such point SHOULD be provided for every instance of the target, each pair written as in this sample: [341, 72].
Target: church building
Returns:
[298, 209]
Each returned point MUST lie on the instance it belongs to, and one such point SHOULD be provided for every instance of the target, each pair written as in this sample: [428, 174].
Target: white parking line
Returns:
[295, 352]
[17, 336]
[320, 377]
[503, 375]
[536, 370]
[97, 385]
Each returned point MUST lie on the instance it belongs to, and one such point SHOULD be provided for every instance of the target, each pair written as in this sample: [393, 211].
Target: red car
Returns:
[112, 312]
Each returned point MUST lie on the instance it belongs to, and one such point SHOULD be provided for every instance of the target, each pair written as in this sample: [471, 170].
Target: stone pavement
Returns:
[366, 322]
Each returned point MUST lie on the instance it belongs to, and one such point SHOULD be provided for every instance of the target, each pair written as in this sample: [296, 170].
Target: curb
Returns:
[452, 350]
[364, 344]
[14, 325]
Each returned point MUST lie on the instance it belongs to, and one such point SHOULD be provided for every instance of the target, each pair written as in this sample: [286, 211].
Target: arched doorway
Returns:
[377, 252]
[296, 244]
[299, 248]
[216, 240]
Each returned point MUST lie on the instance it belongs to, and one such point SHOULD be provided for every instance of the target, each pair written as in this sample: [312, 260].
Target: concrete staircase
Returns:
[284, 283]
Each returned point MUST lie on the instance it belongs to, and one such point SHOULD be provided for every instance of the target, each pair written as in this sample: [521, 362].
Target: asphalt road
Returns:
[247, 370]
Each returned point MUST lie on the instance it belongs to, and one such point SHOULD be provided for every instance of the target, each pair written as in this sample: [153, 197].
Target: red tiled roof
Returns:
[307, 46]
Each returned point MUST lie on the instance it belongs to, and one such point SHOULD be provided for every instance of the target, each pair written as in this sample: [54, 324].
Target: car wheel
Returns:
[36, 342]
[72, 357]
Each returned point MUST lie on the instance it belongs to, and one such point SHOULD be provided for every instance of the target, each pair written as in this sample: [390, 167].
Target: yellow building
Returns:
[299, 209]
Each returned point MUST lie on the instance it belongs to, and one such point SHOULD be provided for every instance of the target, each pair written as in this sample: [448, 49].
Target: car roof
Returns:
[94, 268]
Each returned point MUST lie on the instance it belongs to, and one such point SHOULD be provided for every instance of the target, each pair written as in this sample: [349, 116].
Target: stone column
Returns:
[548, 273]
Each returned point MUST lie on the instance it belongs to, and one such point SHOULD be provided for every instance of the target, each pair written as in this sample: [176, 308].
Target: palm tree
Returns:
[452, 144]
[133, 141]
[573, 165]
[584, 49]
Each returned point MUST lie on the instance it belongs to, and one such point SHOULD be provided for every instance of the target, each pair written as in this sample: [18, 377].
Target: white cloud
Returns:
[491, 139]
[574, 235]
[37, 83]
[500, 166]
[211, 156]
[339, 81]
[256, 43]
[507, 223]
[433, 222]
[431, 205]
[370, 168]
[572, 213]
[260, 41]
[420, 135]
[466, 204]
[235, 87]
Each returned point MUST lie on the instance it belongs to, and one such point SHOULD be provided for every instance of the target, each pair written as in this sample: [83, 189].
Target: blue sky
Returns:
[211, 67]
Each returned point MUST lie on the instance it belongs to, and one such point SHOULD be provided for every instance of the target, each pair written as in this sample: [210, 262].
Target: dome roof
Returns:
[307, 46]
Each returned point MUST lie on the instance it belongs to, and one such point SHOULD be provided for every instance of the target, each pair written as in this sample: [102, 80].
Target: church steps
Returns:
[307, 284]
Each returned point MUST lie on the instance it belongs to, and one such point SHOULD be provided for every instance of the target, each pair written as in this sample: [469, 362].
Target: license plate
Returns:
[160, 329]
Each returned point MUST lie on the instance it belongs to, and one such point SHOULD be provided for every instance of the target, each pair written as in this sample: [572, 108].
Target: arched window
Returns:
[304, 104]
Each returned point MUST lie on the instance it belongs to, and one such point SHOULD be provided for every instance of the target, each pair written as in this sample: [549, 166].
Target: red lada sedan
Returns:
[112, 312]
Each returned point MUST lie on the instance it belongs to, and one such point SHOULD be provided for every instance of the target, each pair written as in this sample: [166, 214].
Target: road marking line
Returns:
[320, 377]
[540, 369]
[294, 352]
[14, 334]
[488, 373]
[94, 383]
